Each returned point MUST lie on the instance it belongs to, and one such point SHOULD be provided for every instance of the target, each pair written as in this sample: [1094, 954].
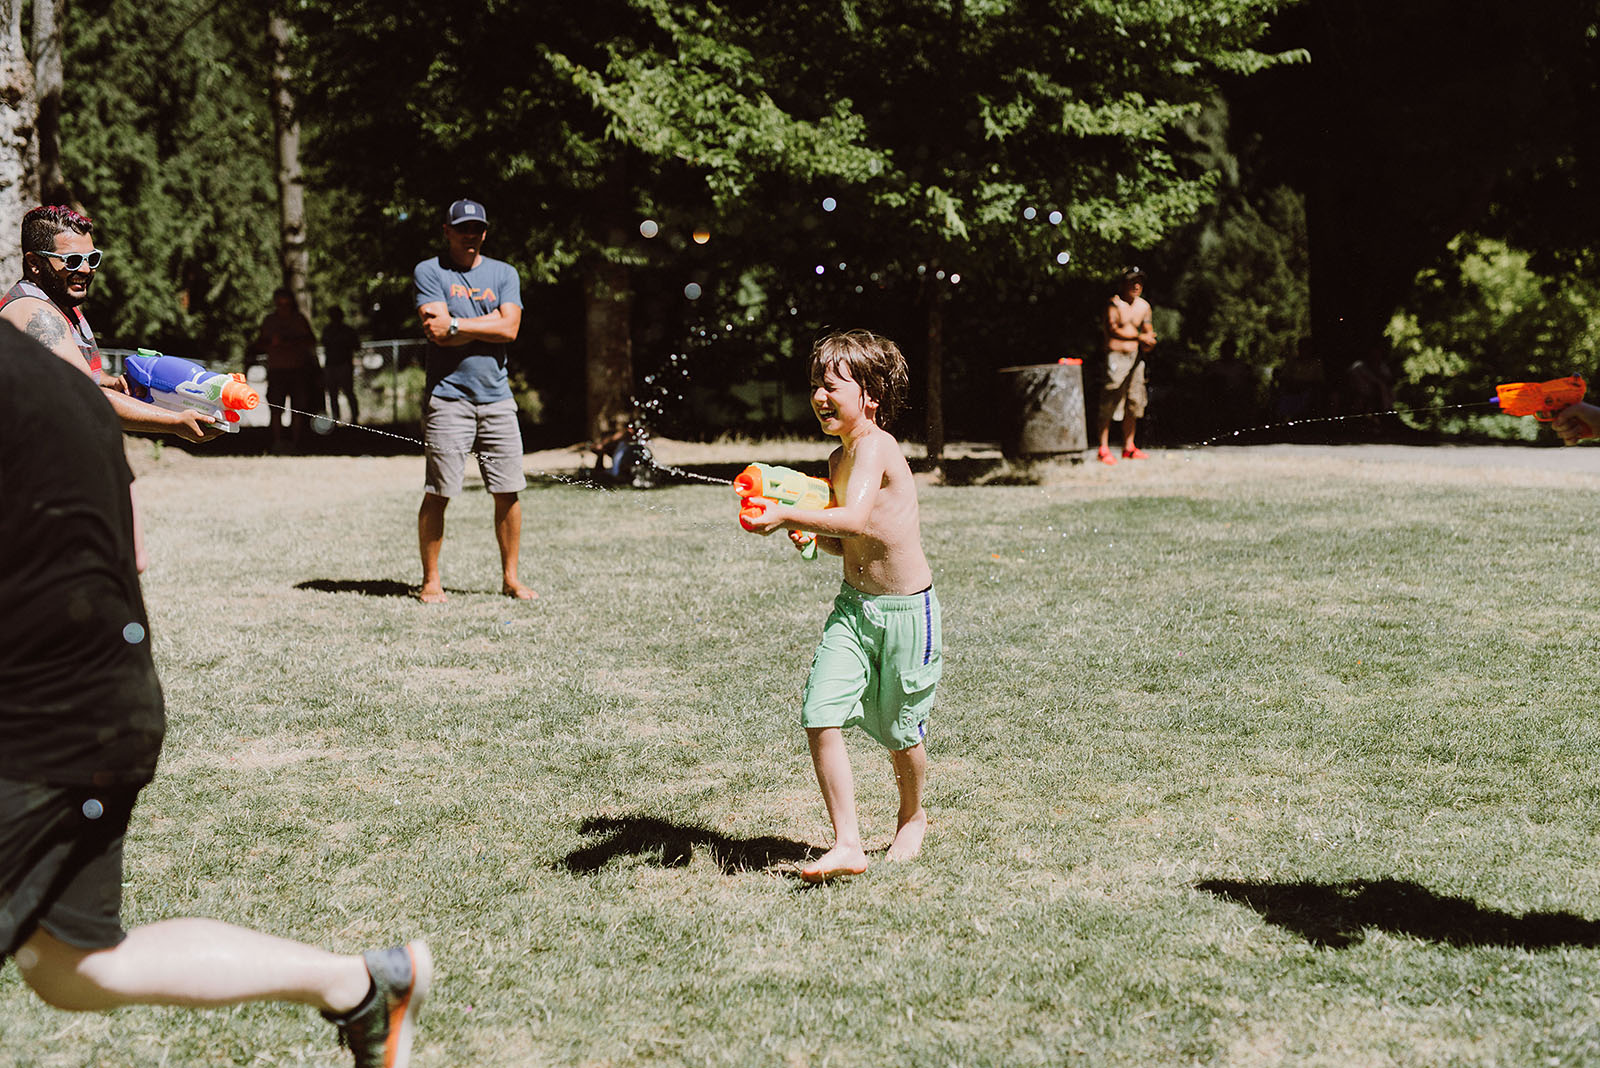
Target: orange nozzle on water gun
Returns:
[237, 396]
[1542, 400]
[760, 484]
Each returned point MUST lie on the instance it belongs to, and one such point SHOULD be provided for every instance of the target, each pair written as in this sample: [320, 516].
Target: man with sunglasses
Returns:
[471, 308]
[58, 265]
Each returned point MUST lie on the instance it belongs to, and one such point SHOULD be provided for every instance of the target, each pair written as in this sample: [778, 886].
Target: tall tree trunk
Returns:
[19, 186]
[608, 314]
[291, 188]
[48, 16]
[608, 307]
[935, 369]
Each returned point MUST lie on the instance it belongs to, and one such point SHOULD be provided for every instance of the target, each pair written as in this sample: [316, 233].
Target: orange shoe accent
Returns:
[1105, 456]
[1135, 453]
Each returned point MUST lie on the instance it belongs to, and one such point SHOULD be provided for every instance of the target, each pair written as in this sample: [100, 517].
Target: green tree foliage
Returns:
[168, 142]
[1484, 316]
[935, 126]
[1246, 290]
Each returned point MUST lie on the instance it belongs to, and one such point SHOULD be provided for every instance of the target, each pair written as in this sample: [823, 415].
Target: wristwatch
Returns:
[455, 326]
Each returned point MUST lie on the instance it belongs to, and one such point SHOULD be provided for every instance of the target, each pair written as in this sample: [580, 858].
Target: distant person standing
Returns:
[471, 308]
[290, 346]
[1129, 335]
[339, 344]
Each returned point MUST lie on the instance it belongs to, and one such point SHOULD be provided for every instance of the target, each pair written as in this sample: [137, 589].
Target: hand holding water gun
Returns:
[1577, 422]
[762, 484]
[1542, 400]
[183, 385]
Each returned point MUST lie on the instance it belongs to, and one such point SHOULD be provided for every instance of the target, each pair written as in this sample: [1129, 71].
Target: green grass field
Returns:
[1242, 757]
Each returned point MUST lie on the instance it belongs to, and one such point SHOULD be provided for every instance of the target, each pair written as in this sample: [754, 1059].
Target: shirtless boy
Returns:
[1128, 336]
[880, 657]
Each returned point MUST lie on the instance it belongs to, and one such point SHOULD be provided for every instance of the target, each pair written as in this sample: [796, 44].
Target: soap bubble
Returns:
[1029, 213]
[93, 809]
[828, 203]
[1063, 257]
[701, 236]
[1055, 218]
[821, 269]
[692, 291]
[321, 424]
[133, 633]
[649, 228]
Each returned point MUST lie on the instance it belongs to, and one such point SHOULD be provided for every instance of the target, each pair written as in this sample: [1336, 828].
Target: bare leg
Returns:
[430, 536]
[910, 774]
[832, 764]
[192, 962]
[1129, 424]
[508, 532]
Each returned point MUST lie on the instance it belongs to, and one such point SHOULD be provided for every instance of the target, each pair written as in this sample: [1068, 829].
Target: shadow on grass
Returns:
[647, 836]
[365, 587]
[1337, 915]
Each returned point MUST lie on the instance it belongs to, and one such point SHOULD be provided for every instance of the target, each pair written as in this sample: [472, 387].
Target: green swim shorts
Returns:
[877, 665]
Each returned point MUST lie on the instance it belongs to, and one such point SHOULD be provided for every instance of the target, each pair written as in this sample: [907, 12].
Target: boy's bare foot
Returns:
[513, 588]
[837, 861]
[432, 595]
[908, 839]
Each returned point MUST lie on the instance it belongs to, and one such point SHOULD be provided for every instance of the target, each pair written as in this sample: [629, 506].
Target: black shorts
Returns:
[295, 386]
[61, 863]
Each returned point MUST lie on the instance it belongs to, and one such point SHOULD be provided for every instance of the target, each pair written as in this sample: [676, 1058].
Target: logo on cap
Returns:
[467, 211]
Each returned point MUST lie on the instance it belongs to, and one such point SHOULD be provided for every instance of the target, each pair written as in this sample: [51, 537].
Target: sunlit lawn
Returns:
[1241, 757]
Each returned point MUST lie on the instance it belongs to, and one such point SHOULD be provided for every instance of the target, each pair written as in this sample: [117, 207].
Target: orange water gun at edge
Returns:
[1542, 400]
[761, 484]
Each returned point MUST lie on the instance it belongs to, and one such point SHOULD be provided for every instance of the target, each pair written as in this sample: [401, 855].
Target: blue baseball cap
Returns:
[466, 211]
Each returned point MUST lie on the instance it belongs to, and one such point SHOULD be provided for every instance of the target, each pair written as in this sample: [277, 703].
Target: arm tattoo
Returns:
[47, 328]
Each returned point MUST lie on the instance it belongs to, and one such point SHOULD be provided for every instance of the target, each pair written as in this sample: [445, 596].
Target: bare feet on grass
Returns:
[908, 839]
[836, 862]
[513, 588]
[432, 595]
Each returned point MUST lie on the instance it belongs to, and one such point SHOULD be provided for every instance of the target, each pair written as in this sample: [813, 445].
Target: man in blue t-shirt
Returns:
[471, 307]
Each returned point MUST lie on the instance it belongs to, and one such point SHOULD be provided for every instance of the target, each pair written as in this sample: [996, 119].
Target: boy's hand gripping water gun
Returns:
[183, 385]
[1542, 400]
[761, 484]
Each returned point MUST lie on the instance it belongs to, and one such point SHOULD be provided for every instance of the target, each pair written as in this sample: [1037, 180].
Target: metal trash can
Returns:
[1044, 414]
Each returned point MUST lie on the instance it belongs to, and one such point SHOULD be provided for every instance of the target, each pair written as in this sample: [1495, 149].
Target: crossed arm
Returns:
[500, 325]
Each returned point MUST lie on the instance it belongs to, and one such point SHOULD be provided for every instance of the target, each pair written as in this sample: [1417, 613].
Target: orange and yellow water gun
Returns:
[761, 484]
[1542, 400]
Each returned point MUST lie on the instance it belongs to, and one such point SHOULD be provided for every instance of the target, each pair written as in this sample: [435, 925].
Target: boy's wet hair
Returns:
[874, 363]
[41, 225]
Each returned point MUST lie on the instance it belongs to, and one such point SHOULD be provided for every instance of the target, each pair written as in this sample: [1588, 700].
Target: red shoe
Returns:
[1135, 453]
[1105, 456]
